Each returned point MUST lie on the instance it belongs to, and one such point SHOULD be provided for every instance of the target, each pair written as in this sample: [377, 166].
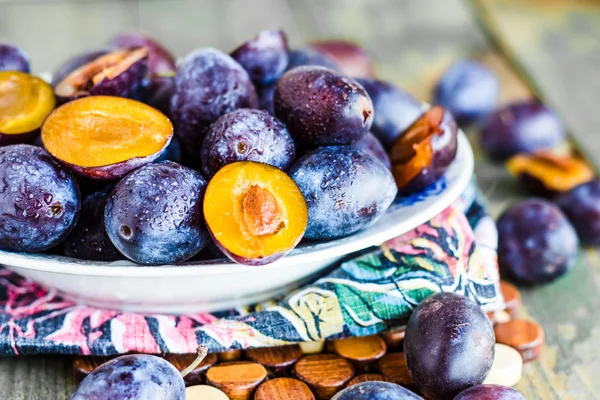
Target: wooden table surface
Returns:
[412, 41]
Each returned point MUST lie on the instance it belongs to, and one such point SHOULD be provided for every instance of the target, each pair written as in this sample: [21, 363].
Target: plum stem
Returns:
[202, 351]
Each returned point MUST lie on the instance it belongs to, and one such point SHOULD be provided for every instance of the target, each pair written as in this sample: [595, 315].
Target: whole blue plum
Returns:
[265, 98]
[448, 345]
[13, 59]
[469, 90]
[154, 214]
[39, 199]
[489, 392]
[395, 109]
[309, 56]
[208, 84]
[370, 144]
[345, 189]
[132, 377]
[246, 135]
[582, 206]
[536, 242]
[523, 127]
[375, 390]
[88, 240]
[265, 57]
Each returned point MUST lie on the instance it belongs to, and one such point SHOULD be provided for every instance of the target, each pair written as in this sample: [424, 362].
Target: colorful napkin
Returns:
[366, 294]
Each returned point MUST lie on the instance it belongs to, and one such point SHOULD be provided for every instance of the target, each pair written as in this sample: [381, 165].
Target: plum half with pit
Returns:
[136, 377]
[13, 58]
[375, 390]
[537, 243]
[154, 214]
[88, 240]
[448, 345]
[25, 102]
[469, 90]
[523, 127]
[255, 213]
[208, 84]
[582, 206]
[39, 201]
[395, 109]
[345, 189]
[265, 57]
[76, 62]
[321, 107]
[160, 60]
[423, 153]
[246, 135]
[489, 392]
[119, 73]
[107, 136]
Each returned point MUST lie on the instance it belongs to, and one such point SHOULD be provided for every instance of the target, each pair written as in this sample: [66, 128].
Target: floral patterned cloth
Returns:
[370, 293]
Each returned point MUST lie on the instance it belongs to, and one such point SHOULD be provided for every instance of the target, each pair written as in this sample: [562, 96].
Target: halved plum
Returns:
[160, 59]
[76, 62]
[255, 212]
[422, 154]
[119, 73]
[25, 101]
[105, 137]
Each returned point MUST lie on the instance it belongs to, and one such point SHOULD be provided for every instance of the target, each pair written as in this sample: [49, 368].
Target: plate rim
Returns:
[69, 266]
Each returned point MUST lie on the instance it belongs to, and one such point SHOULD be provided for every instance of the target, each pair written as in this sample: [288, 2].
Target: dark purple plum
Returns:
[582, 206]
[208, 84]
[395, 109]
[76, 62]
[490, 392]
[265, 57]
[310, 56]
[351, 59]
[536, 242]
[154, 214]
[265, 98]
[469, 90]
[345, 190]
[88, 240]
[160, 60]
[246, 135]
[448, 345]
[521, 128]
[159, 92]
[39, 202]
[321, 107]
[375, 390]
[370, 144]
[173, 152]
[132, 377]
[423, 153]
[120, 73]
[13, 59]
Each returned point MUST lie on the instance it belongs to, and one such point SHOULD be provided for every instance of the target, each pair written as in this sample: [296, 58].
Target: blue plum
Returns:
[370, 144]
[582, 206]
[88, 240]
[345, 190]
[489, 392]
[265, 57]
[39, 202]
[309, 56]
[469, 90]
[536, 242]
[321, 107]
[154, 214]
[265, 98]
[208, 84]
[132, 377]
[13, 59]
[523, 127]
[173, 152]
[375, 390]
[395, 109]
[448, 345]
[246, 135]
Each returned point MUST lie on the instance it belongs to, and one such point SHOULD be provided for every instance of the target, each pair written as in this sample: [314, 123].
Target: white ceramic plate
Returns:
[212, 286]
